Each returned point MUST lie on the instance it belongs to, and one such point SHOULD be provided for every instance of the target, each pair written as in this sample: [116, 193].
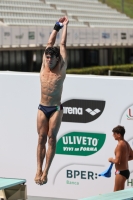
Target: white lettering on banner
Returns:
[68, 148]
[88, 149]
[74, 110]
[80, 149]
[80, 140]
[94, 142]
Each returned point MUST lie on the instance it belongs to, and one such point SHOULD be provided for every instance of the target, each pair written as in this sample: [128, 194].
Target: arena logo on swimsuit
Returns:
[82, 111]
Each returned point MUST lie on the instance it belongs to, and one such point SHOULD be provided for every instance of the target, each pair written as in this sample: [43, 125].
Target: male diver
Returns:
[123, 154]
[50, 110]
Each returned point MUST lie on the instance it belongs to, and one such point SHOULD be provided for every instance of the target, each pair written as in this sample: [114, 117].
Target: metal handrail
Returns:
[109, 72]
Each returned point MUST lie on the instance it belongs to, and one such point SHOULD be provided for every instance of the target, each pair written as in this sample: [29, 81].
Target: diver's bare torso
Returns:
[52, 83]
[123, 165]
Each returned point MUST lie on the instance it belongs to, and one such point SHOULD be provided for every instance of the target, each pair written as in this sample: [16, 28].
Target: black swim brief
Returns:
[48, 110]
[125, 173]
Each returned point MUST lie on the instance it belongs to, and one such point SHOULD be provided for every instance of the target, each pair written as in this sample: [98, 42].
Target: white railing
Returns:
[110, 73]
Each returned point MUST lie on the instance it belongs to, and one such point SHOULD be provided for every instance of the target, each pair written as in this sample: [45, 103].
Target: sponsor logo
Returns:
[106, 35]
[72, 182]
[115, 36]
[81, 174]
[129, 114]
[80, 143]
[31, 35]
[42, 35]
[130, 182]
[6, 34]
[19, 36]
[79, 111]
[93, 112]
[82, 111]
[123, 36]
[131, 36]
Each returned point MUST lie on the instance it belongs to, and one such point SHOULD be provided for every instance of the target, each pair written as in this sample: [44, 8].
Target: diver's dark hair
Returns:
[53, 51]
[119, 129]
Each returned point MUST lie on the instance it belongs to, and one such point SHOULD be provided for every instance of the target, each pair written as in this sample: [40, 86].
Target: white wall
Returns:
[19, 99]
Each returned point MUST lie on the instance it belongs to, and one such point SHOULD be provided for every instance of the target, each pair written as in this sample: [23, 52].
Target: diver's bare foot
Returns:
[38, 178]
[44, 179]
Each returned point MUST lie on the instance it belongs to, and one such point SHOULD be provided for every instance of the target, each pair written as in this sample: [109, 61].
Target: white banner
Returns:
[16, 36]
[124, 36]
[130, 36]
[89, 36]
[69, 37]
[46, 33]
[108, 36]
[6, 36]
[115, 36]
[58, 38]
[76, 36]
[82, 36]
[32, 35]
[95, 34]
[101, 37]
[39, 36]
[120, 36]
[84, 141]
[1, 36]
[24, 36]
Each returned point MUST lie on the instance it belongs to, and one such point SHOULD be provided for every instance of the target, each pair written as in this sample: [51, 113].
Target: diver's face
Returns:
[116, 135]
[51, 61]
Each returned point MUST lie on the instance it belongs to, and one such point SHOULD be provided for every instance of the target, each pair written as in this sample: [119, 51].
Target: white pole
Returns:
[109, 73]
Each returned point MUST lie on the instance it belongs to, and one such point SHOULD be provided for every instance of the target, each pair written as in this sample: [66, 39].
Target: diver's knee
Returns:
[42, 139]
[52, 141]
